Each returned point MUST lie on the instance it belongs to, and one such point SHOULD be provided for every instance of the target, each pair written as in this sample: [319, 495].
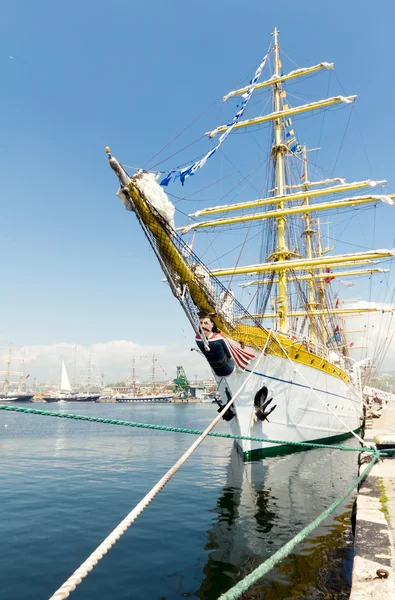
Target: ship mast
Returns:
[21, 375]
[134, 358]
[74, 365]
[278, 157]
[89, 374]
[7, 374]
[134, 375]
[284, 202]
[153, 373]
[308, 233]
[321, 291]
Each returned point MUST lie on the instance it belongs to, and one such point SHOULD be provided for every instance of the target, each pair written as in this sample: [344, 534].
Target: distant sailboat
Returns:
[66, 393]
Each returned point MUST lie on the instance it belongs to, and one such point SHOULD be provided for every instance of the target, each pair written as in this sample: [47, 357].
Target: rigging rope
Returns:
[178, 135]
[342, 142]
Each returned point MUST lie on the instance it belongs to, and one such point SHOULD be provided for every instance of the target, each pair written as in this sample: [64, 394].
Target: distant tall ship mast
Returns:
[298, 372]
[154, 396]
[13, 382]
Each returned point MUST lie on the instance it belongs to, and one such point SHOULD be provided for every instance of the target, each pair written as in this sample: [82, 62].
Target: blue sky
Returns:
[75, 266]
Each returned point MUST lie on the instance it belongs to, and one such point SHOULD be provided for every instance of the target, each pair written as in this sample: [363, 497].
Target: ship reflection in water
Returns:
[264, 504]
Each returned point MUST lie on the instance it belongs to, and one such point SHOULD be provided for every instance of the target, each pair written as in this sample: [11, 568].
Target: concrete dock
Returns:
[374, 561]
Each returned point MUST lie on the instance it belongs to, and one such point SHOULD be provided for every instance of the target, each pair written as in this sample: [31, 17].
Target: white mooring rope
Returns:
[75, 579]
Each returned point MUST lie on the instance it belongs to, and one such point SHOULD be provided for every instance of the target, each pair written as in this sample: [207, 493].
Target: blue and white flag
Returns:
[168, 178]
[290, 138]
[191, 169]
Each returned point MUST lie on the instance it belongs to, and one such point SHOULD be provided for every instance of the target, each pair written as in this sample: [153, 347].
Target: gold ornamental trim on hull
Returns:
[297, 350]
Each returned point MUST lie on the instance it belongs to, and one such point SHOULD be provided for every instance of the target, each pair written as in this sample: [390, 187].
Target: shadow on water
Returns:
[263, 505]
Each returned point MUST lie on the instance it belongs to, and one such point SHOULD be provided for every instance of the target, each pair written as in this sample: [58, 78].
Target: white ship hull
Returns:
[302, 414]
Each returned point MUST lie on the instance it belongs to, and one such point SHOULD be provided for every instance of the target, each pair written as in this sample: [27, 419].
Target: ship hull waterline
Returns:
[16, 398]
[92, 398]
[304, 398]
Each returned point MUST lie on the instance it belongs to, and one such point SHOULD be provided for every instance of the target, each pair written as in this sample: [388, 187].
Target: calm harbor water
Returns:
[66, 484]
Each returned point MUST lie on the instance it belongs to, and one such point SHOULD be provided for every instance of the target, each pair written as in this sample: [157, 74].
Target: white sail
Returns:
[64, 382]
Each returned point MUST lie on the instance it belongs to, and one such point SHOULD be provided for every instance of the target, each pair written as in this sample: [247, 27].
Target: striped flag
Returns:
[239, 355]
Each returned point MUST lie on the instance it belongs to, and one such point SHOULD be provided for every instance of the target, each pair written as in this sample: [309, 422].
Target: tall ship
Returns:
[92, 384]
[287, 362]
[66, 394]
[13, 383]
[135, 395]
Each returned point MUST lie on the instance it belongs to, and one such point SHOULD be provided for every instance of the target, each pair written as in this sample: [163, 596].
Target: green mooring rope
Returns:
[240, 588]
[62, 415]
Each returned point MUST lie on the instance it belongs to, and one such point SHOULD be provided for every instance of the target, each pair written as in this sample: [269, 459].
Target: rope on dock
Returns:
[75, 579]
[77, 417]
[240, 588]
